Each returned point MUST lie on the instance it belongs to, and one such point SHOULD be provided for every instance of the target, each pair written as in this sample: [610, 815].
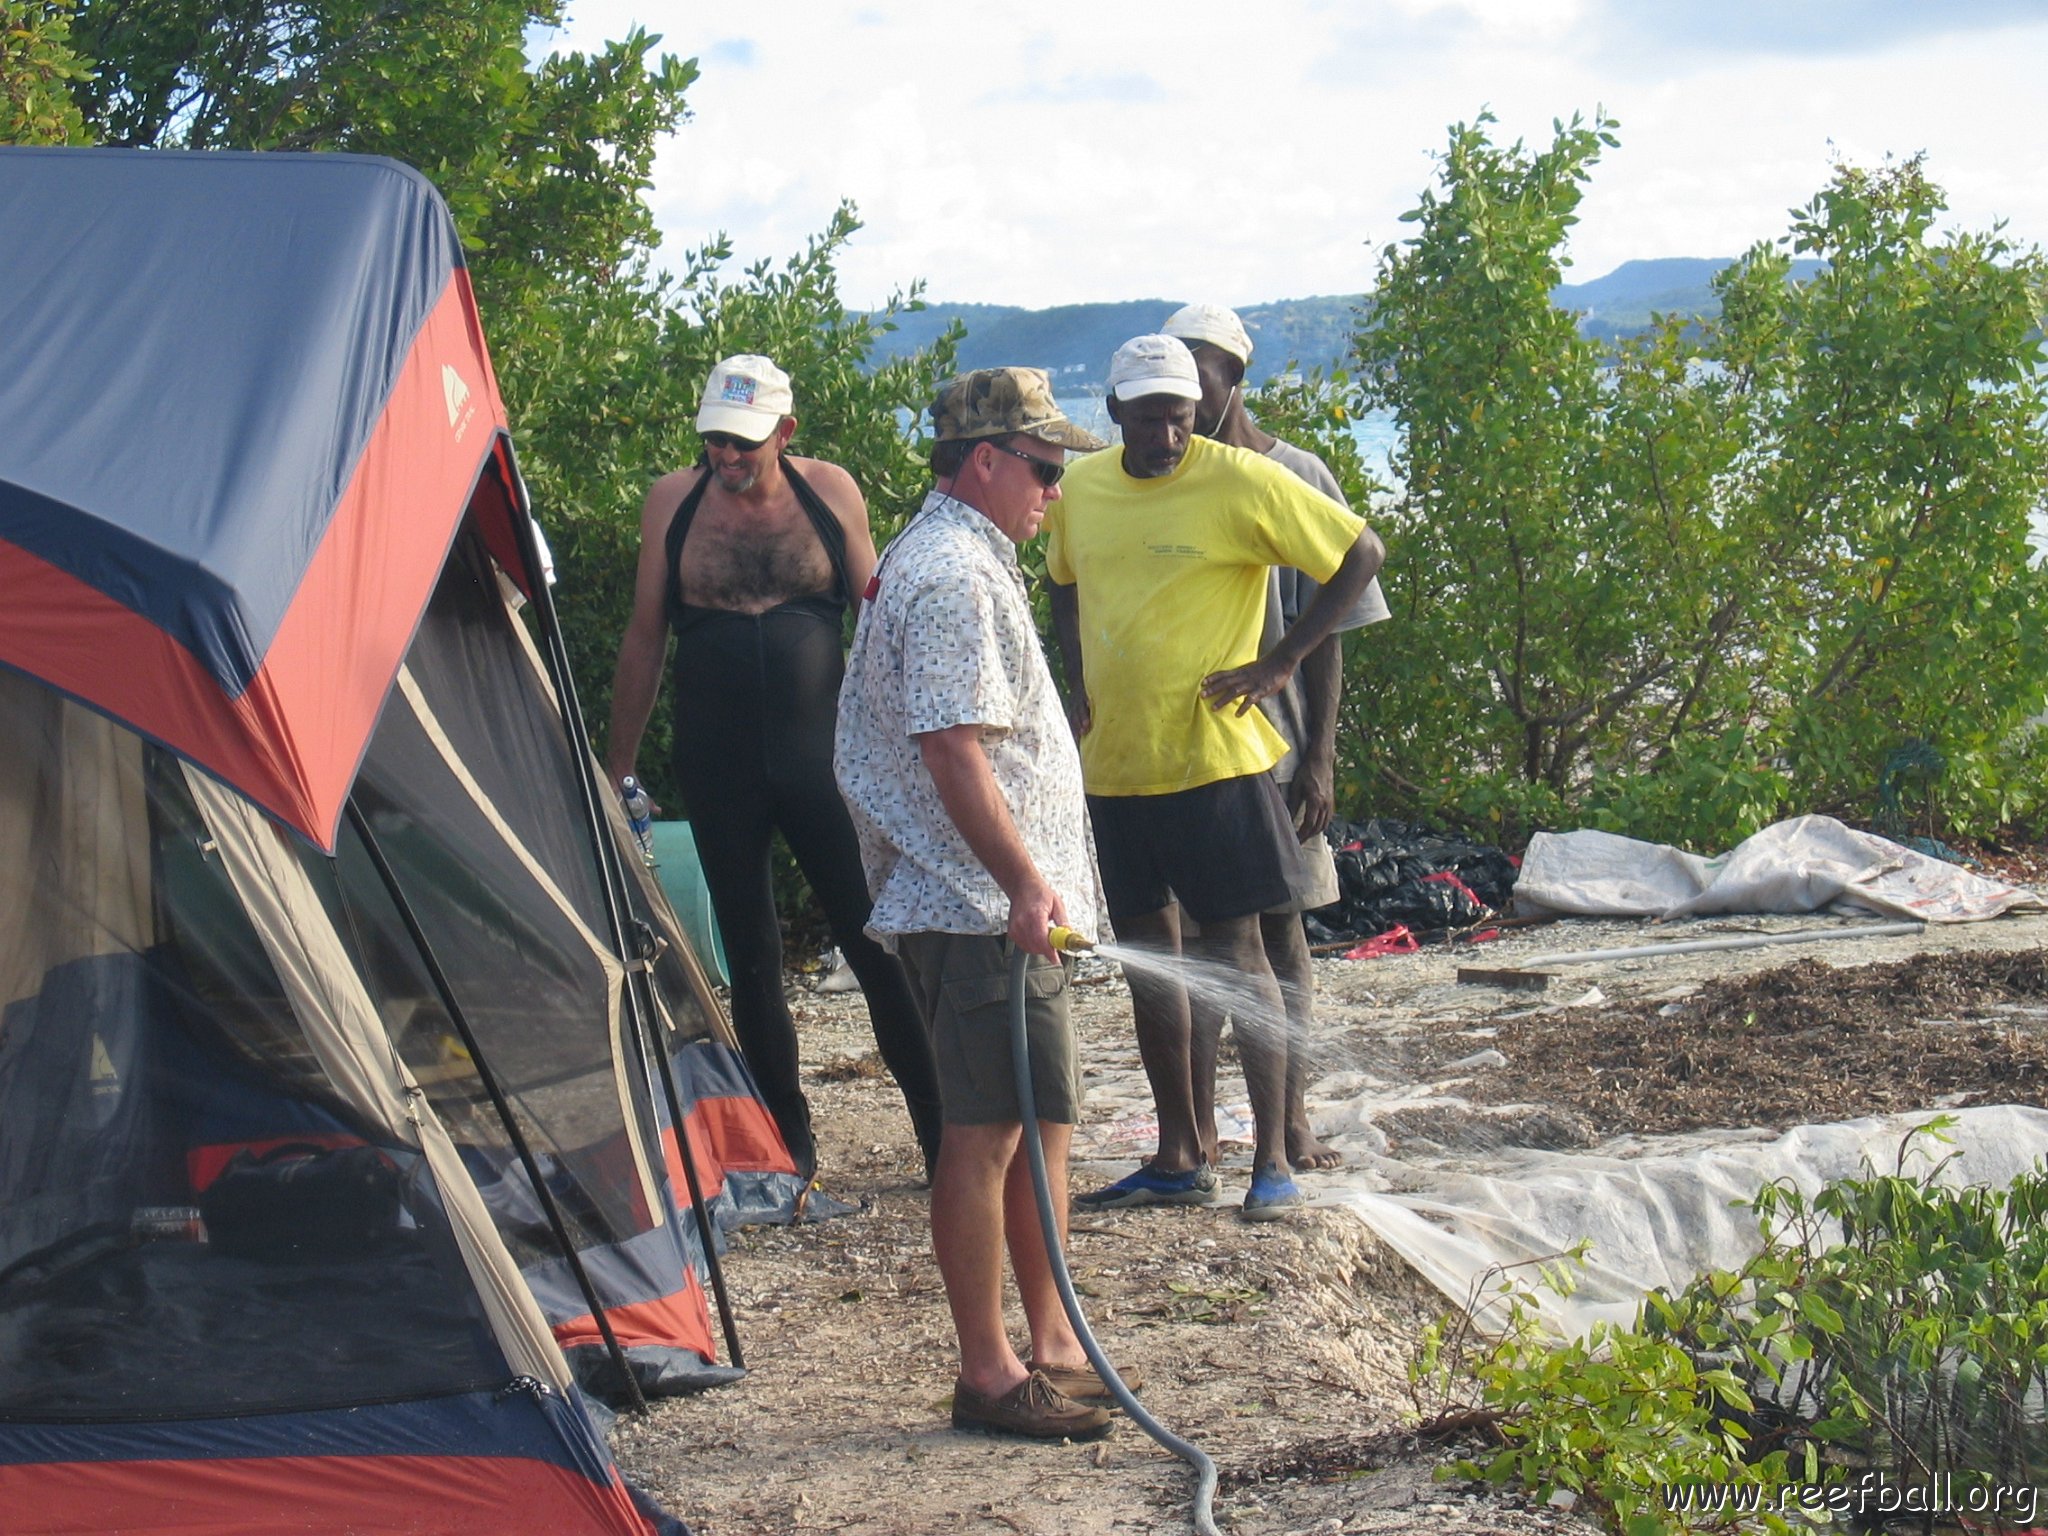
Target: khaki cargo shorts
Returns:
[962, 982]
[1314, 877]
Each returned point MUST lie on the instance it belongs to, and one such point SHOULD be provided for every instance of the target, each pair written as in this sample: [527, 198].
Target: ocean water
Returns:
[1375, 433]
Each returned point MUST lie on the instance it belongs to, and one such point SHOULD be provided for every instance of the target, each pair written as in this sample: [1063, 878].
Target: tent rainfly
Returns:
[363, 1112]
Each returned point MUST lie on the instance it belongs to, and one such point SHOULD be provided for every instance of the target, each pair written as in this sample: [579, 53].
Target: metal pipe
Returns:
[1746, 941]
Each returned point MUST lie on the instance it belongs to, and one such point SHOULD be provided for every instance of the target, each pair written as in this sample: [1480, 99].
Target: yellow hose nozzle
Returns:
[1066, 941]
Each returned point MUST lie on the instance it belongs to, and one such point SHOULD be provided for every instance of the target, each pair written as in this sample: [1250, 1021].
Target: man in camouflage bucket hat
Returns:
[1005, 402]
[965, 787]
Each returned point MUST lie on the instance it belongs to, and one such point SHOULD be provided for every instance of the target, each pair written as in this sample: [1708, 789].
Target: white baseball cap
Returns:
[1212, 323]
[1154, 365]
[745, 396]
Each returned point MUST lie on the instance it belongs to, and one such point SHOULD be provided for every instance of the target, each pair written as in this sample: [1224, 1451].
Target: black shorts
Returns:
[1222, 850]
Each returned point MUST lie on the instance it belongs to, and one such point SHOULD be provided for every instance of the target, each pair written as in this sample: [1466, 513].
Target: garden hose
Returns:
[1066, 940]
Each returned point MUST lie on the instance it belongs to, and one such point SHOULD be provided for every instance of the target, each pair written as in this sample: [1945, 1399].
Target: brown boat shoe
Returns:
[1081, 1383]
[1034, 1409]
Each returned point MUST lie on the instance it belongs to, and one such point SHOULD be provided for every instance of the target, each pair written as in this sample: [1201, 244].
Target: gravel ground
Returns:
[1282, 1349]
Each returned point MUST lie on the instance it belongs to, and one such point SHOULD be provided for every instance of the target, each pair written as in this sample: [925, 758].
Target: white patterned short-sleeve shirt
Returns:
[945, 639]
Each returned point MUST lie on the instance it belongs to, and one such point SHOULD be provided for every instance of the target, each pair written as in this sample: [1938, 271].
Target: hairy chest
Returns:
[749, 562]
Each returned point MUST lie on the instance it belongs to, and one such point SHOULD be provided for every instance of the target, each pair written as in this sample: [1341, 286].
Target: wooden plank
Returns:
[1506, 976]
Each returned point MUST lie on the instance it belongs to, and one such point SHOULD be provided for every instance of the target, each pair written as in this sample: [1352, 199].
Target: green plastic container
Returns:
[682, 878]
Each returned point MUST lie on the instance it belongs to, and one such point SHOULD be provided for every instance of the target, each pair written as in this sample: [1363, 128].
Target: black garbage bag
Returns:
[1397, 872]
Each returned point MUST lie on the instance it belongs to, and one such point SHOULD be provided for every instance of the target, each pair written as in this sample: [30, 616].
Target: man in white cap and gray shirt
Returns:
[1304, 712]
[752, 557]
[1159, 556]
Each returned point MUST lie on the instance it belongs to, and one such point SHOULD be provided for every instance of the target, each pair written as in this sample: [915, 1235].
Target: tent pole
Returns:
[613, 882]
[527, 1160]
[650, 1035]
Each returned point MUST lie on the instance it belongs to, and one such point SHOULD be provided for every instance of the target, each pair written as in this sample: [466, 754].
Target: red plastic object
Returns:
[1397, 940]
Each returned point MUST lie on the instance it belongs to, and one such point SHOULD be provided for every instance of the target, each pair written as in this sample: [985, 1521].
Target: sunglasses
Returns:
[724, 440]
[1048, 472]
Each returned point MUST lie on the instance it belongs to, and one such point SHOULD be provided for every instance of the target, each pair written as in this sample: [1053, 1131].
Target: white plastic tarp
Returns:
[1658, 1218]
[1809, 864]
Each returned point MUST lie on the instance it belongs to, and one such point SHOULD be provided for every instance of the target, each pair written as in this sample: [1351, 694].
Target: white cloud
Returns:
[1115, 150]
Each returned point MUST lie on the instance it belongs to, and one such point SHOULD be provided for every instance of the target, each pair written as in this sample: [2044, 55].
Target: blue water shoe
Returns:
[1272, 1195]
[1148, 1186]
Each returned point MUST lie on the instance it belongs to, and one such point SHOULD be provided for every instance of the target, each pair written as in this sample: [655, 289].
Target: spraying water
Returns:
[1185, 1000]
[1226, 987]
[1249, 1000]
[1376, 1074]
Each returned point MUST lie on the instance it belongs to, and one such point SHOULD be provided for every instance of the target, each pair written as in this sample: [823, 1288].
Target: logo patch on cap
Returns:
[737, 391]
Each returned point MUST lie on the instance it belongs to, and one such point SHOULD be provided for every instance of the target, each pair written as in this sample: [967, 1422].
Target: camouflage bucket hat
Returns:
[995, 402]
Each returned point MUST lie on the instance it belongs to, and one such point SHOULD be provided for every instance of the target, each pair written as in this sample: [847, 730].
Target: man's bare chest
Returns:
[748, 560]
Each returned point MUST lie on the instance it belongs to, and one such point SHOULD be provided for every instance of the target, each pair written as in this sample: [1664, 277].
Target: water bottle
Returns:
[179, 1223]
[640, 816]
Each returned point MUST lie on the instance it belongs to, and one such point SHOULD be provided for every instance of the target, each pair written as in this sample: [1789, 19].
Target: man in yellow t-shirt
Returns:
[1305, 711]
[1158, 556]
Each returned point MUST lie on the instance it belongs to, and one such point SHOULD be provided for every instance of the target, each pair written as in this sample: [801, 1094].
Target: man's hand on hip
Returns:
[1247, 685]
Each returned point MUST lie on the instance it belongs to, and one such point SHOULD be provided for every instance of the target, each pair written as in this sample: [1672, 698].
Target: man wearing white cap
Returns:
[752, 556]
[1304, 712]
[1159, 557]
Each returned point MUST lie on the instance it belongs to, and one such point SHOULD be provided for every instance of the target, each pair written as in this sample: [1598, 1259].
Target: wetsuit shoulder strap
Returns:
[831, 532]
[678, 530]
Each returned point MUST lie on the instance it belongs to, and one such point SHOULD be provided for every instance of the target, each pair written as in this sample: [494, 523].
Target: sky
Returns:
[1067, 151]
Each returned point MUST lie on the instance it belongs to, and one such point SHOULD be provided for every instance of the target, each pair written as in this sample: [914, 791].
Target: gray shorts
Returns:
[1314, 878]
[962, 982]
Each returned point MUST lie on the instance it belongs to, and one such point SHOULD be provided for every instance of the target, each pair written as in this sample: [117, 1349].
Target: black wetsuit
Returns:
[757, 695]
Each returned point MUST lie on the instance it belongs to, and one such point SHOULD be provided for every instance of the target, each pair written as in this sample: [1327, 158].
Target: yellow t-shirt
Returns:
[1172, 587]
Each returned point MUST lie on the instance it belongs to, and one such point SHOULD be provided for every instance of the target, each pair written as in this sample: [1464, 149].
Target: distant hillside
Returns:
[1623, 301]
[1074, 341]
[1070, 341]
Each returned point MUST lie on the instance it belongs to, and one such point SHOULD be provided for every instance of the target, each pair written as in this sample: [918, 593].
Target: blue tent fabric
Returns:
[156, 441]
